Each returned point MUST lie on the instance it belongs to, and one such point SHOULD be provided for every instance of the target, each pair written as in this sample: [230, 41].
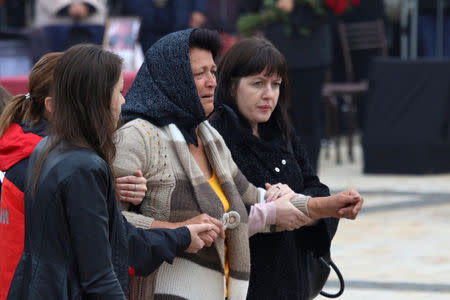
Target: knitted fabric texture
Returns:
[164, 90]
[178, 190]
[270, 161]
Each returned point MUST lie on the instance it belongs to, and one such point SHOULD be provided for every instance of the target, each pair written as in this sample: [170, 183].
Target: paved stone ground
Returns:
[399, 247]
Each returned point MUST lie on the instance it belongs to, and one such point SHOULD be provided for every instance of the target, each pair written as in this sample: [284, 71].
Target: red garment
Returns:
[15, 146]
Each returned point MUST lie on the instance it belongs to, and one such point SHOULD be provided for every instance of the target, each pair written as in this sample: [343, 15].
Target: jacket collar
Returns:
[19, 141]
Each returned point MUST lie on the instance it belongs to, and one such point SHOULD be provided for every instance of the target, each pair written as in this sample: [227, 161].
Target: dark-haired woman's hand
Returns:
[286, 5]
[345, 204]
[78, 10]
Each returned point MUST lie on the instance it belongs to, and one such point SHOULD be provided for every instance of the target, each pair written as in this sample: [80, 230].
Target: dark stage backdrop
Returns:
[407, 117]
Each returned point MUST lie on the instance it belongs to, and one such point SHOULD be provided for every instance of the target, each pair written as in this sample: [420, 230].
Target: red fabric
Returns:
[228, 41]
[16, 145]
[19, 84]
[330, 3]
[355, 2]
[128, 78]
[341, 6]
[12, 233]
[15, 84]
[131, 271]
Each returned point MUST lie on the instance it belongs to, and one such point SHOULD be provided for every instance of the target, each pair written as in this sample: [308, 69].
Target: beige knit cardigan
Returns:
[177, 191]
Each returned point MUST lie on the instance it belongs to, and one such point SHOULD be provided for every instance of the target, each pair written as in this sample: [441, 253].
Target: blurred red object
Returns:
[228, 41]
[19, 84]
[340, 6]
[15, 84]
[128, 78]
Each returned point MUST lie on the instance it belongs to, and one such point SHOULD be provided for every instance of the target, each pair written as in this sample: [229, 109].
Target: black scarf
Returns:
[164, 90]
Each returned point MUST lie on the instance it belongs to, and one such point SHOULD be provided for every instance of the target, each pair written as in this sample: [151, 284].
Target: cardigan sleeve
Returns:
[136, 149]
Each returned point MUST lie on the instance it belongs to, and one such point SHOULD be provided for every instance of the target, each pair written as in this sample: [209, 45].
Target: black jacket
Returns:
[76, 239]
[277, 258]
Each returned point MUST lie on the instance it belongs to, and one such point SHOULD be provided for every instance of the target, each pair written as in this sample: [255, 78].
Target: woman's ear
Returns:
[48, 104]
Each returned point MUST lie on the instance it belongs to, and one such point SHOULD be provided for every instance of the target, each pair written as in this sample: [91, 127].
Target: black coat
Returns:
[76, 239]
[277, 258]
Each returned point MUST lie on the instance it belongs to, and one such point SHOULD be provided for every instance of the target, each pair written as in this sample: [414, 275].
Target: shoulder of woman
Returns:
[138, 127]
[84, 159]
[139, 124]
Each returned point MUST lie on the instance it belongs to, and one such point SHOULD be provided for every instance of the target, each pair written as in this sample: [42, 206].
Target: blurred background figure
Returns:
[427, 28]
[121, 35]
[160, 17]
[69, 22]
[222, 16]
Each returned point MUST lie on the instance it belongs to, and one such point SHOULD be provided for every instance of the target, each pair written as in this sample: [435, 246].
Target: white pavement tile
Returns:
[401, 250]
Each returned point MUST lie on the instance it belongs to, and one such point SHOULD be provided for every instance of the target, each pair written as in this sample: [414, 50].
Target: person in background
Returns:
[222, 16]
[191, 176]
[23, 124]
[69, 22]
[427, 29]
[308, 58]
[161, 17]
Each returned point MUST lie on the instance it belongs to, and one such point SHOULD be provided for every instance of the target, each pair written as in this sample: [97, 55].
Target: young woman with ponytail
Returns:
[23, 123]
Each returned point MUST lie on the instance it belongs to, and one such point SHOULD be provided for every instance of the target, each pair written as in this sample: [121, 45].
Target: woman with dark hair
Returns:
[191, 175]
[22, 125]
[251, 117]
[76, 240]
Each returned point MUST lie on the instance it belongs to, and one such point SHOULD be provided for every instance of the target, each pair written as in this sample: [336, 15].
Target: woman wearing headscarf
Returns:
[76, 240]
[191, 175]
[24, 123]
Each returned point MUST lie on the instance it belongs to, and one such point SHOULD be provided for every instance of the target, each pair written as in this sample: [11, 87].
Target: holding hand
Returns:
[197, 19]
[345, 204]
[196, 230]
[275, 191]
[132, 188]
[208, 236]
[286, 5]
[78, 10]
[288, 216]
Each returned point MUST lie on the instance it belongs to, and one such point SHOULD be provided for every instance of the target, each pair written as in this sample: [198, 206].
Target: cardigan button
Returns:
[283, 161]
[277, 170]
[230, 220]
